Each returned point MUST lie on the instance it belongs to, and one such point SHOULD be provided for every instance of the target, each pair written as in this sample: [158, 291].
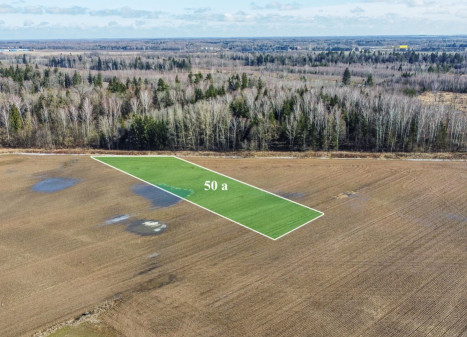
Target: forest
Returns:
[221, 100]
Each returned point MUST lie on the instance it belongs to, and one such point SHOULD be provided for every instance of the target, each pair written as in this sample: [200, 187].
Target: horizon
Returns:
[181, 38]
[51, 20]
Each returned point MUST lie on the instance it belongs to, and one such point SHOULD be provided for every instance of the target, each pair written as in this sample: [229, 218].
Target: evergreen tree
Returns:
[211, 92]
[198, 77]
[198, 94]
[68, 81]
[239, 107]
[167, 100]
[346, 77]
[234, 82]
[76, 78]
[15, 118]
[221, 91]
[244, 81]
[116, 86]
[162, 85]
[98, 80]
[260, 84]
[126, 108]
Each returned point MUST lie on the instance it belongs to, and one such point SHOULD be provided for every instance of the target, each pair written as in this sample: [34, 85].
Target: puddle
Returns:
[156, 196]
[146, 227]
[117, 219]
[51, 185]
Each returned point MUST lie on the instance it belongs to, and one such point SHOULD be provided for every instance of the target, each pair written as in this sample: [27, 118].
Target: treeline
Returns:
[256, 115]
[434, 62]
[111, 63]
[37, 80]
[444, 61]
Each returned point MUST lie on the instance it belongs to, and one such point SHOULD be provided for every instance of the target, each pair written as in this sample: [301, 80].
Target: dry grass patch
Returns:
[456, 100]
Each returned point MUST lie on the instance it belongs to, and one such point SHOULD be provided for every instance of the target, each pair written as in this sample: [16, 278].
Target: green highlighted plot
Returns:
[263, 212]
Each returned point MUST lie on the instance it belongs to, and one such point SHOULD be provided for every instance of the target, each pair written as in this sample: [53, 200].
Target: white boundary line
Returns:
[207, 209]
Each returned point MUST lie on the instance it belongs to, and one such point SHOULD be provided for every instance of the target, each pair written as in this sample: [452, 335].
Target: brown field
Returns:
[389, 258]
[456, 100]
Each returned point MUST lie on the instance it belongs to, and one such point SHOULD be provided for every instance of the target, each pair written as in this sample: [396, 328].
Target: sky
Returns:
[58, 19]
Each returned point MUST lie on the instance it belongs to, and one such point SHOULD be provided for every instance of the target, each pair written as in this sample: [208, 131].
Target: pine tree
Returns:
[162, 85]
[244, 81]
[168, 101]
[68, 81]
[76, 78]
[98, 80]
[211, 92]
[198, 94]
[15, 118]
[346, 77]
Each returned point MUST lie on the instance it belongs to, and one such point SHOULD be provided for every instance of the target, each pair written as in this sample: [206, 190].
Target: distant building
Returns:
[404, 47]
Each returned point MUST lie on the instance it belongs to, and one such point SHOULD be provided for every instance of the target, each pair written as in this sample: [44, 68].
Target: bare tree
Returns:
[145, 99]
[5, 114]
[86, 115]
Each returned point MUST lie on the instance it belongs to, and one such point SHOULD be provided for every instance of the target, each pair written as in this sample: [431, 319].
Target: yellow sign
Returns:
[403, 46]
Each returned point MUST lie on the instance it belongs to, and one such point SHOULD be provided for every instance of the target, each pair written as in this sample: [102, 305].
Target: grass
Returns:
[251, 207]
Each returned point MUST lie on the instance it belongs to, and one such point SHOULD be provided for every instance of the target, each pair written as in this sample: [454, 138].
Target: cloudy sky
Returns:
[42, 19]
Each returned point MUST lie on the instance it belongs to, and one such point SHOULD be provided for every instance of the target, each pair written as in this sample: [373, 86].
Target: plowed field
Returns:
[389, 258]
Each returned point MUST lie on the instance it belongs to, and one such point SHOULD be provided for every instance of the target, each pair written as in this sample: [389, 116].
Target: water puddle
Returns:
[158, 197]
[146, 227]
[117, 219]
[50, 185]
